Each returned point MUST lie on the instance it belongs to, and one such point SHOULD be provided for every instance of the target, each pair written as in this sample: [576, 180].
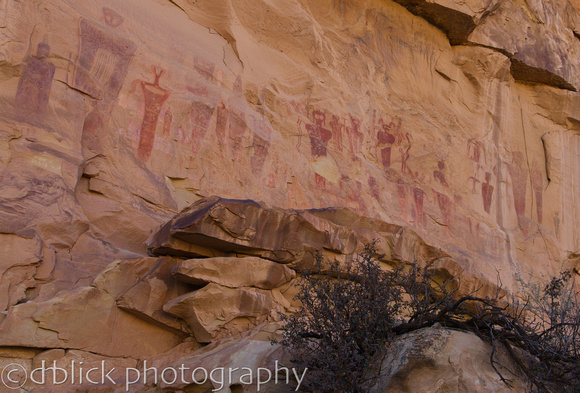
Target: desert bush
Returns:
[346, 317]
[349, 313]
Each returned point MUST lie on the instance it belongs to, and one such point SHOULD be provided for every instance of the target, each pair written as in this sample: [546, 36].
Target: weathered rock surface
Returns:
[445, 125]
[156, 287]
[216, 311]
[285, 236]
[541, 46]
[442, 360]
[87, 318]
[244, 226]
[233, 272]
[244, 357]
[411, 112]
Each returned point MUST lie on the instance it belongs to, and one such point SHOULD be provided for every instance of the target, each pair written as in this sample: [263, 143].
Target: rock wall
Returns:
[458, 120]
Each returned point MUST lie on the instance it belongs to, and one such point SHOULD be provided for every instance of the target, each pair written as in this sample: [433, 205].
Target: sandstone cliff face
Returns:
[454, 121]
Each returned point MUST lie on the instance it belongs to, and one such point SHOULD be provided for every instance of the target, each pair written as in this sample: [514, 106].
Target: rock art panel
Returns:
[101, 68]
[34, 86]
[519, 178]
[319, 135]
[154, 96]
[487, 192]
[387, 137]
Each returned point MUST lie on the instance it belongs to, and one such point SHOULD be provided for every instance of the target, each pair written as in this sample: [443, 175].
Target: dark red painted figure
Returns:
[487, 192]
[155, 96]
[319, 136]
[34, 86]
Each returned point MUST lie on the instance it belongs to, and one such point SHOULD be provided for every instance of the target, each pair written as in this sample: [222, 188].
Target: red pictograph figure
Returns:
[320, 181]
[200, 116]
[405, 155]
[100, 70]
[221, 122]
[439, 175]
[487, 192]
[154, 97]
[319, 136]
[445, 206]
[167, 120]
[355, 136]
[519, 178]
[372, 182]
[386, 139]
[538, 186]
[34, 86]
[337, 130]
[419, 196]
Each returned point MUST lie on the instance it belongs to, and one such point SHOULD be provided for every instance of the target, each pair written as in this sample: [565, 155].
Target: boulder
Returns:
[246, 227]
[438, 359]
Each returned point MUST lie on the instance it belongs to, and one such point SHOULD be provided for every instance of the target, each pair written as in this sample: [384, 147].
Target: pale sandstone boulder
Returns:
[215, 311]
[233, 272]
[444, 360]
[254, 350]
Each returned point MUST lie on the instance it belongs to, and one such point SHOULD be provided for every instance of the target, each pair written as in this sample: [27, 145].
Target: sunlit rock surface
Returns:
[448, 129]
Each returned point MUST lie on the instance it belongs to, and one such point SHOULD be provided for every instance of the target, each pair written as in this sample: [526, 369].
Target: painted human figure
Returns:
[538, 186]
[439, 175]
[419, 197]
[386, 139]
[319, 136]
[34, 86]
[337, 126]
[445, 207]
[487, 192]
[355, 136]
[155, 96]
[402, 198]
[405, 155]
[519, 178]
[100, 70]
[237, 123]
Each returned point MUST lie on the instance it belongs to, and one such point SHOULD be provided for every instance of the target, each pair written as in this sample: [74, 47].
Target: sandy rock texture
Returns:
[168, 313]
[443, 360]
[447, 123]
